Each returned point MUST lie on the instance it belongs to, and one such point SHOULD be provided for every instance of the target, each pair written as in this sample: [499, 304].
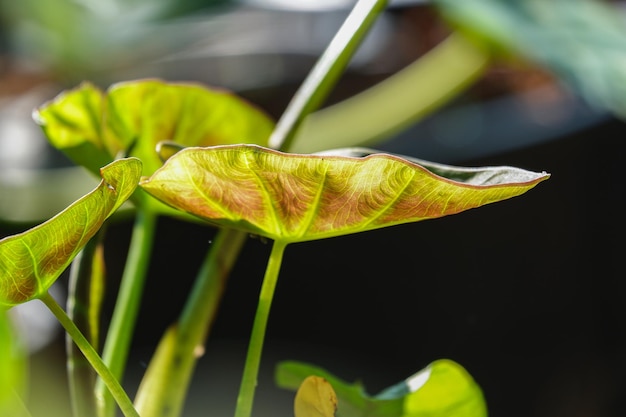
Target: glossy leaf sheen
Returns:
[94, 127]
[30, 262]
[293, 198]
[443, 388]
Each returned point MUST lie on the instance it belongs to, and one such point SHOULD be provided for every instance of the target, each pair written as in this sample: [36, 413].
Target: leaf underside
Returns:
[30, 262]
[294, 198]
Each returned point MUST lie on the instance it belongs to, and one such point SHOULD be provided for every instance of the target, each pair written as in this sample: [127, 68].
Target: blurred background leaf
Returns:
[583, 42]
[72, 37]
[12, 369]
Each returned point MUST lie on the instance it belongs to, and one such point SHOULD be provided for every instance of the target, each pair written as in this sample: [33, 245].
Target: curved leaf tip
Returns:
[294, 198]
[31, 261]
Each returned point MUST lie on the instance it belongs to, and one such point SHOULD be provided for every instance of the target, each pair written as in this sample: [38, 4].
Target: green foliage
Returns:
[581, 41]
[131, 118]
[219, 168]
[94, 128]
[31, 261]
[294, 198]
[442, 389]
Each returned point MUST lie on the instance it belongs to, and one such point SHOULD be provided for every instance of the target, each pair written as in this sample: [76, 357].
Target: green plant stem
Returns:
[326, 71]
[85, 293]
[163, 388]
[395, 103]
[110, 381]
[255, 347]
[119, 335]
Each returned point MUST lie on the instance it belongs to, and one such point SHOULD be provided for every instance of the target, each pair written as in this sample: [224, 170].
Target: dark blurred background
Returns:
[526, 294]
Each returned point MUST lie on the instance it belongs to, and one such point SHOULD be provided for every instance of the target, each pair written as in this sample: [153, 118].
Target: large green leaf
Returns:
[30, 262]
[581, 41]
[442, 389]
[93, 127]
[291, 197]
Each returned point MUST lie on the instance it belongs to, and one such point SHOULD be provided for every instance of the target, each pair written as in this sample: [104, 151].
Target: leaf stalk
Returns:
[119, 336]
[86, 286]
[255, 346]
[109, 380]
[163, 389]
[326, 71]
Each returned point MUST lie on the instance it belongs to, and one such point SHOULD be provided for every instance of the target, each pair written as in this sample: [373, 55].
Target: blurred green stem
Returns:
[398, 101]
[163, 388]
[110, 381]
[85, 293]
[327, 70]
[255, 346]
[122, 325]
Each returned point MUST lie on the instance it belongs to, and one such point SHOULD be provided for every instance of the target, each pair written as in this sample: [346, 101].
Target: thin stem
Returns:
[86, 287]
[111, 383]
[255, 346]
[119, 336]
[163, 388]
[408, 96]
[326, 71]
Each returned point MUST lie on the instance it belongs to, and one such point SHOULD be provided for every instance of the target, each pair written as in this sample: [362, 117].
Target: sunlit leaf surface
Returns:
[582, 41]
[93, 127]
[30, 262]
[315, 398]
[442, 389]
[293, 198]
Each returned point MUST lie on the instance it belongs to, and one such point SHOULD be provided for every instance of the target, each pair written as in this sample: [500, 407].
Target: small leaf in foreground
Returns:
[293, 198]
[443, 388]
[31, 261]
[315, 398]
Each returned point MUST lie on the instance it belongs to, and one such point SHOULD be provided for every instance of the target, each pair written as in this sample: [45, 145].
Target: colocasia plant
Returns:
[204, 155]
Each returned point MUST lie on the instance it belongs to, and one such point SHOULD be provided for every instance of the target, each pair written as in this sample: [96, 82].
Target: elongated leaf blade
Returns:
[583, 42]
[443, 388]
[30, 262]
[93, 127]
[294, 198]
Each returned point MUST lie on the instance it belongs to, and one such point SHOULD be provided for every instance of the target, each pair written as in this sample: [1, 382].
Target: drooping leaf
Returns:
[315, 398]
[31, 261]
[294, 198]
[442, 389]
[93, 127]
[582, 41]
